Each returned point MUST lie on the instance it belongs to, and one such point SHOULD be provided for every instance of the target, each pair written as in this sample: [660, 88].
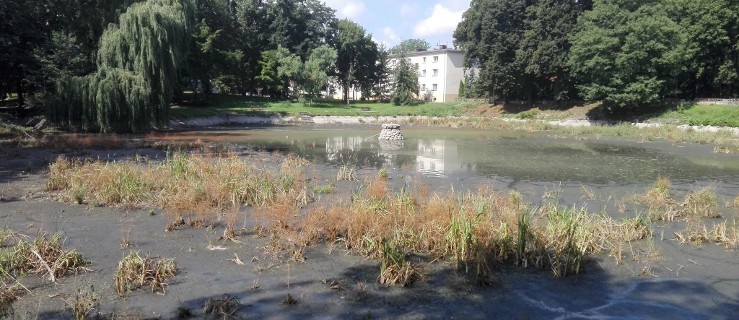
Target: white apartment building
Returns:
[439, 72]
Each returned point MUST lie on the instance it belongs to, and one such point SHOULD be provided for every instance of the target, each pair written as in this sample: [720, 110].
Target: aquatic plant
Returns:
[346, 174]
[193, 186]
[44, 255]
[135, 271]
[701, 204]
[394, 268]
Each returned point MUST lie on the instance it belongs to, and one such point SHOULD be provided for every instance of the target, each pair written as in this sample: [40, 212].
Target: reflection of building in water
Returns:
[335, 146]
[437, 157]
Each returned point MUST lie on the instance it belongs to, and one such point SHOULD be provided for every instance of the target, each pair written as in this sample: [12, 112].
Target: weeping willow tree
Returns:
[137, 69]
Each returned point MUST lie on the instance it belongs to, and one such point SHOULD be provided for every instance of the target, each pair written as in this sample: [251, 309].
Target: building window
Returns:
[423, 74]
[416, 66]
[434, 87]
[436, 72]
[436, 58]
[423, 87]
[424, 59]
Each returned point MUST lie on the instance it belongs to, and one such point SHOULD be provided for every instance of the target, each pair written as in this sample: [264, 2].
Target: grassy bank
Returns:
[702, 115]
[265, 107]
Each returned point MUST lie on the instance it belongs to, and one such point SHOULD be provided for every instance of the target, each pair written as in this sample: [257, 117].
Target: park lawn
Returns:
[703, 115]
[233, 105]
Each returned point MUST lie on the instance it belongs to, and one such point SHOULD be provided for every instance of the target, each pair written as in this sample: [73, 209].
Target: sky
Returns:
[391, 21]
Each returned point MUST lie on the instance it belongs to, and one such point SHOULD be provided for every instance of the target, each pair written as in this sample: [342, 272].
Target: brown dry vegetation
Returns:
[195, 186]
[43, 255]
[660, 204]
[135, 271]
[475, 230]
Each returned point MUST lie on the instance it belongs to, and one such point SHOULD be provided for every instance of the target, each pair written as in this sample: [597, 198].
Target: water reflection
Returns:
[461, 154]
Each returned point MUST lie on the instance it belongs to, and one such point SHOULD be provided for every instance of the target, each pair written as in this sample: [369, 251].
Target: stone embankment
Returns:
[215, 121]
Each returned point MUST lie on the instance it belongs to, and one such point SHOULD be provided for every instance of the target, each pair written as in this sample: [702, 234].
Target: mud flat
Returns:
[259, 279]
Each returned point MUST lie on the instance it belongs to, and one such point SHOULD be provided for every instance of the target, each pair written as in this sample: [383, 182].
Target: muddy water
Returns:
[575, 170]
[593, 172]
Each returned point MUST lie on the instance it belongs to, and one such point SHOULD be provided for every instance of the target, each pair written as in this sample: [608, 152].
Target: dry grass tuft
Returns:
[394, 268]
[43, 255]
[720, 233]
[346, 174]
[474, 230]
[135, 271]
[83, 303]
[701, 204]
[658, 201]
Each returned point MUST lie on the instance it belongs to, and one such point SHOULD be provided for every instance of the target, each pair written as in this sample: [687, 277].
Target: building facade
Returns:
[439, 72]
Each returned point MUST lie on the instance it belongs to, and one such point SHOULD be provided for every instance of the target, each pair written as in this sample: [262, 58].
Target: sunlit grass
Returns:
[704, 115]
[199, 185]
[225, 105]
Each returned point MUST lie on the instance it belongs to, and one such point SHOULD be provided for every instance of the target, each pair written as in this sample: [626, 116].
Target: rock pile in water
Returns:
[391, 132]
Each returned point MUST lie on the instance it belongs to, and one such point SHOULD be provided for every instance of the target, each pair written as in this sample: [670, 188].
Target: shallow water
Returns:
[535, 164]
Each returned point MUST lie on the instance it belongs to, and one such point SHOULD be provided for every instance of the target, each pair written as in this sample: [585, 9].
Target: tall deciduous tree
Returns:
[627, 53]
[491, 32]
[544, 48]
[21, 32]
[711, 29]
[317, 69]
[137, 71]
[357, 58]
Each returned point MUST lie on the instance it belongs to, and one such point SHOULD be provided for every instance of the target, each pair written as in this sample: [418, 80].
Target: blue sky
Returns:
[390, 21]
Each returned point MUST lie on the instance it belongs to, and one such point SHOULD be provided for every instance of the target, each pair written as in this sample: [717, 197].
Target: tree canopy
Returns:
[137, 69]
[629, 54]
[409, 46]
[117, 65]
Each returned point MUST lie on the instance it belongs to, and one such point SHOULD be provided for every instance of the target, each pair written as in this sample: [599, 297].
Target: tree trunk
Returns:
[345, 91]
[19, 88]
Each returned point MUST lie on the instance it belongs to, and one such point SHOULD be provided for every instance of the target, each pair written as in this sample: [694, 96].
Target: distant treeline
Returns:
[117, 65]
[627, 53]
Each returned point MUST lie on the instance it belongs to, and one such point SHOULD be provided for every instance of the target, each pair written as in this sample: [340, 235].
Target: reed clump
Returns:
[44, 255]
[702, 203]
[135, 271]
[193, 185]
[474, 230]
[659, 201]
[725, 233]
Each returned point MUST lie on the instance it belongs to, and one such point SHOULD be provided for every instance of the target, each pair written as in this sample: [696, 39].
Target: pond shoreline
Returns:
[234, 120]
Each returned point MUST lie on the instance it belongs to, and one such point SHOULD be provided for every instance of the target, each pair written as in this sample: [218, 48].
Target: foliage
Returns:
[409, 46]
[357, 58]
[711, 33]
[138, 63]
[627, 54]
[405, 85]
[490, 33]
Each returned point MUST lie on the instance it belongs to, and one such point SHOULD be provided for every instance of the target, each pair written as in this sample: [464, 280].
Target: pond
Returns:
[531, 163]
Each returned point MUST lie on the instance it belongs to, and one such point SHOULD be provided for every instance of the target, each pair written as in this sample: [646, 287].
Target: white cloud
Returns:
[350, 9]
[442, 21]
